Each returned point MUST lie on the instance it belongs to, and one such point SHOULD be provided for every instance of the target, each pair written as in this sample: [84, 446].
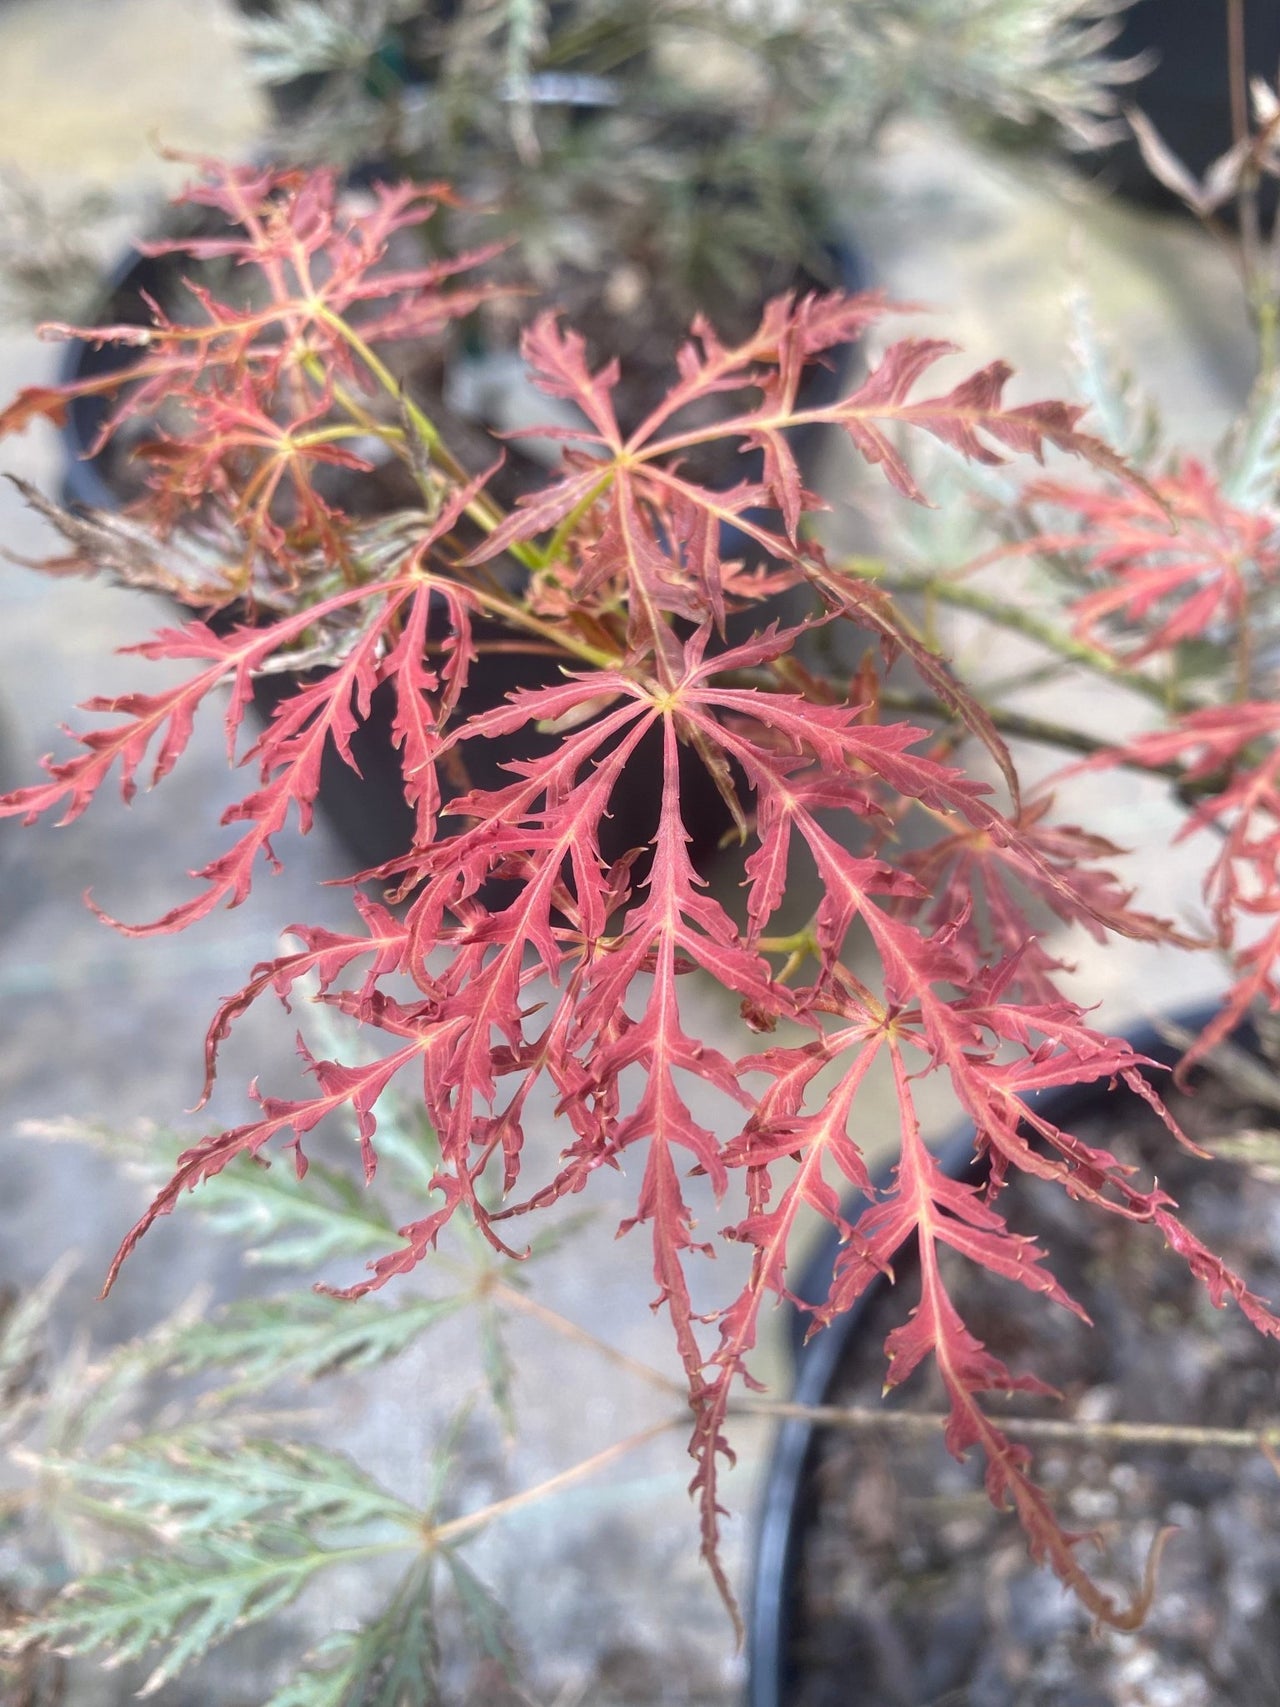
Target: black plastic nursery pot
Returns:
[782, 1666]
[367, 808]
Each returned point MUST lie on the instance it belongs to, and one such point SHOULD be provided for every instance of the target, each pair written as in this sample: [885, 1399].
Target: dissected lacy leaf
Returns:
[520, 970]
[260, 370]
[1229, 760]
[969, 876]
[1175, 563]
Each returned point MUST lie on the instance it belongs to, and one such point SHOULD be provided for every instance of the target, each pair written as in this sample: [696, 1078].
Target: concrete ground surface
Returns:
[609, 1601]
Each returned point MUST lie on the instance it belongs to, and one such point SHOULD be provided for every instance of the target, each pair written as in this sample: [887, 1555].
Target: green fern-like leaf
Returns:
[393, 1661]
[280, 1220]
[1123, 415]
[23, 1321]
[498, 1366]
[185, 1601]
[193, 1486]
[304, 1337]
[484, 1615]
[285, 1222]
[300, 38]
[245, 1527]
[1250, 457]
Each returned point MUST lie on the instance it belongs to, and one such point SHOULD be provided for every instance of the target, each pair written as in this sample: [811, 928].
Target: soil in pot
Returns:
[913, 1592]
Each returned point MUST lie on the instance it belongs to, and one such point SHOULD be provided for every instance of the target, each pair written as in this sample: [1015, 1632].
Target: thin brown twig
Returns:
[443, 1534]
[583, 1336]
[1013, 617]
[1018, 725]
[855, 1418]
[1237, 71]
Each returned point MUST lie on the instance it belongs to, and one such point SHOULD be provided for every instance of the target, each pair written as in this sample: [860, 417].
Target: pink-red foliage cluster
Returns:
[571, 985]
[1181, 564]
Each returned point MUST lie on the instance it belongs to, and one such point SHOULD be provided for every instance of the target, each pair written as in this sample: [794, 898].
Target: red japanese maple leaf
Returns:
[1229, 758]
[1175, 562]
[523, 961]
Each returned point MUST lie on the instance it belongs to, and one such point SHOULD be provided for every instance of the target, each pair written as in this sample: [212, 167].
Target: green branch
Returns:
[1017, 620]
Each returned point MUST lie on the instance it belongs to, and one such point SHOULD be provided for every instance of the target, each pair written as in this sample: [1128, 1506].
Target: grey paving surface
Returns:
[606, 1584]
